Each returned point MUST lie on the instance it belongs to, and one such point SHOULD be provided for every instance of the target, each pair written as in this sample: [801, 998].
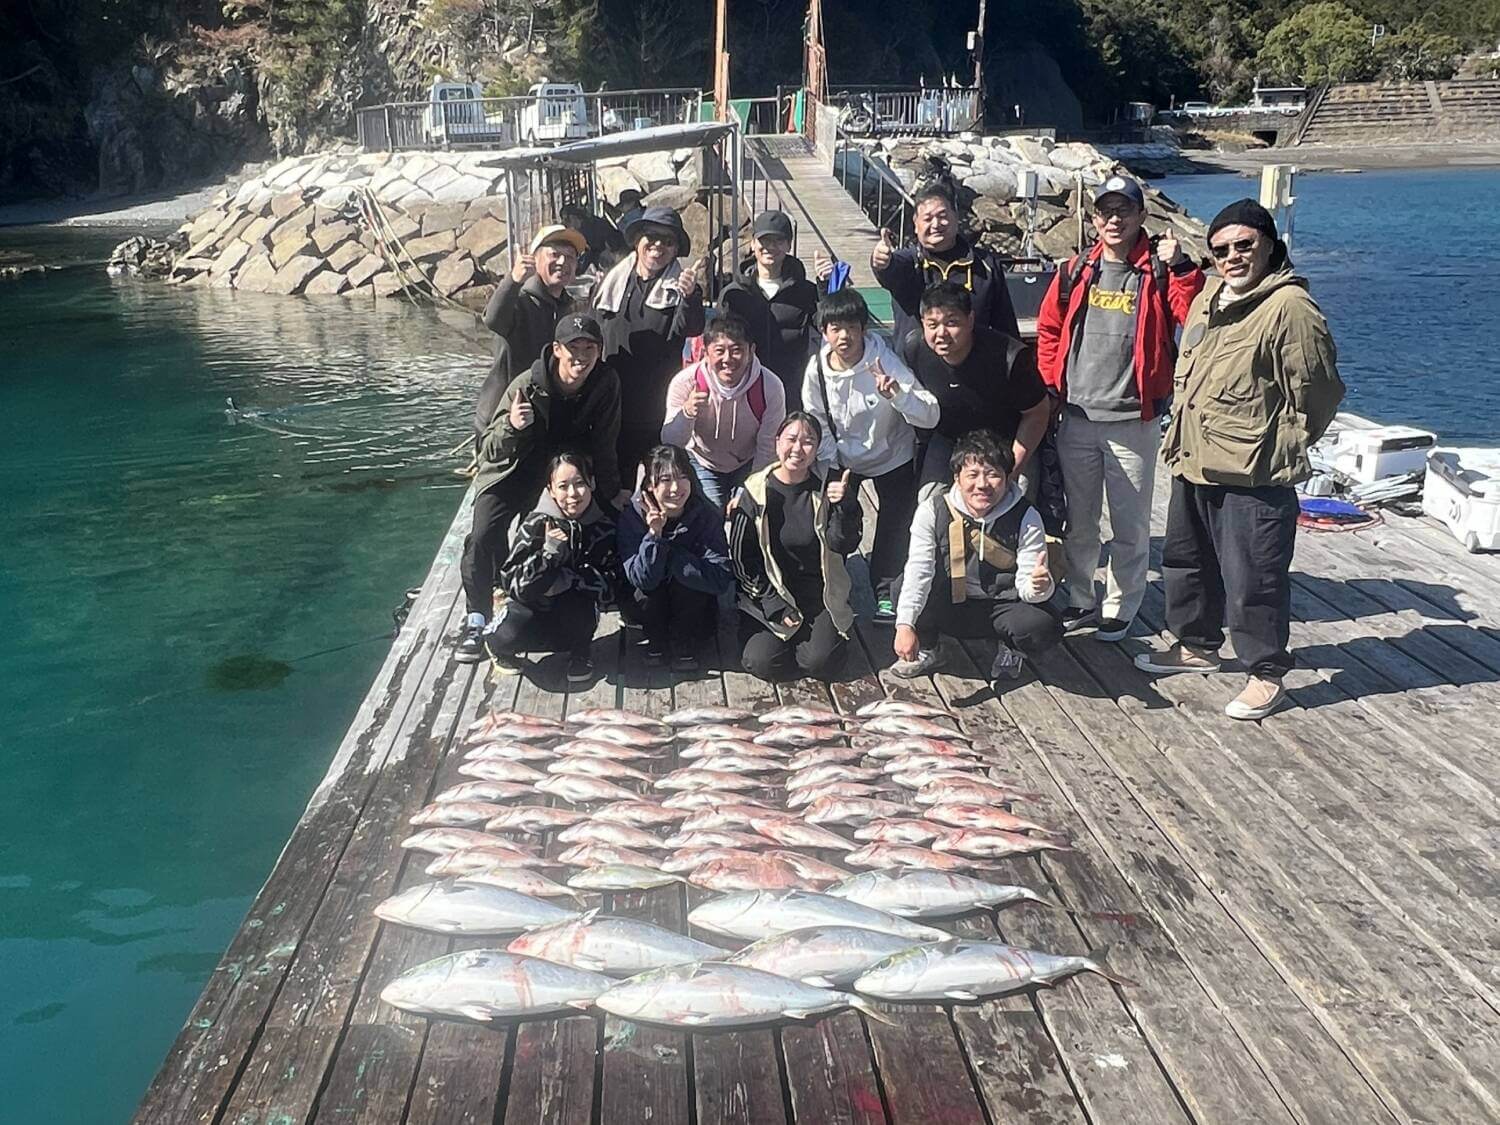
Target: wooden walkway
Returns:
[1308, 904]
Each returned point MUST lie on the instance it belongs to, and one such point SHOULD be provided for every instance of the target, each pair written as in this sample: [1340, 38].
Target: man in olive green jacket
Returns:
[1256, 384]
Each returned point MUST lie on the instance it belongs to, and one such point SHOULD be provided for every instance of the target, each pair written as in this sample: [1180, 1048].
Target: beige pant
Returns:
[1116, 460]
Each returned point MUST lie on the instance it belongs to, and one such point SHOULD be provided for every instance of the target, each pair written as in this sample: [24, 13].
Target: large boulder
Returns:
[615, 180]
[483, 237]
[675, 196]
[453, 273]
[432, 246]
[654, 169]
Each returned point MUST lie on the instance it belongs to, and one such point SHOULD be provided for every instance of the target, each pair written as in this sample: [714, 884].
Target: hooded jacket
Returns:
[692, 549]
[1257, 384]
[912, 269]
[1000, 549]
[764, 592]
[523, 316]
[725, 435]
[643, 339]
[588, 421]
[539, 568]
[1156, 323]
[875, 434]
[781, 325]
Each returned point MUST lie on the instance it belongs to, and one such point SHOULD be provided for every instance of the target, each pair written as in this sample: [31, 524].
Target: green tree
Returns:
[1416, 53]
[1324, 42]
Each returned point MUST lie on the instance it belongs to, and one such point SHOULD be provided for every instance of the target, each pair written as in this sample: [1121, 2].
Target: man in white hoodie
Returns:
[724, 410]
[868, 403]
[977, 568]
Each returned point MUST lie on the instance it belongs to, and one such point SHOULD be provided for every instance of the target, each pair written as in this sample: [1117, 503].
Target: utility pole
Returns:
[721, 61]
[977, 46]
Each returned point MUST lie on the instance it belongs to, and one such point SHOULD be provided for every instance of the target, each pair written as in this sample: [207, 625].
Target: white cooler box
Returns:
[1463, 490]
[1368, 452]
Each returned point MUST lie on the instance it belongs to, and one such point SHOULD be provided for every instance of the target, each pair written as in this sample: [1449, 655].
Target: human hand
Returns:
[656, 519]
[791, 619]
[1168, 249]
[838, 488]
[522, 413]
[1041, 574]
[557, 534]
[694, 403]
[885, 384]
[822, 265]
[880, 257]
[524, 267]
[687, 280]
[906, 644]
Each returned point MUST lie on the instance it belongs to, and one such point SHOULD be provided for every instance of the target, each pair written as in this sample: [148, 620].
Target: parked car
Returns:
[456, 115]
[556, 112]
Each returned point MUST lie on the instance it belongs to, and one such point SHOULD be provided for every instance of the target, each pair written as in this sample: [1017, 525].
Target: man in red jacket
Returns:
[1106, 344]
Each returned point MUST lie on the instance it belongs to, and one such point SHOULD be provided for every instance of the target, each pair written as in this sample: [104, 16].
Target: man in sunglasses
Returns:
[1106, 342]
[1256, 384]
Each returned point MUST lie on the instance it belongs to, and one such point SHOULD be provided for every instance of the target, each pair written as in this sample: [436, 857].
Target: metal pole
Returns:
[979, 63]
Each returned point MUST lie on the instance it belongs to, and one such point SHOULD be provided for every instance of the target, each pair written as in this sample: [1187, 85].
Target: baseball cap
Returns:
[578, 326]
[558, 233]
[774, 223]
[1122, 185]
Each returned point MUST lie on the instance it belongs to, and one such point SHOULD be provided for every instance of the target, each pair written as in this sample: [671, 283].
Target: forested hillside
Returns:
[124, 95]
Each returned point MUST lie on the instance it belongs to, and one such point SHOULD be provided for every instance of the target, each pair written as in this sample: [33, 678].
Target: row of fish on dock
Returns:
[911, 815]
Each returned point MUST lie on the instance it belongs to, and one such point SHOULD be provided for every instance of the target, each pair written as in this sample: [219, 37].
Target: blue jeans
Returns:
[719, 487]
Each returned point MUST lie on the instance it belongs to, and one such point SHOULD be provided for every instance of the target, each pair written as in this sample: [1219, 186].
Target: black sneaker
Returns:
[885, 611]
[470, 648]
[1112, 629]
[685, 662]
[1076, 619]
[1007, 664]
[580, 669]
[655, 655]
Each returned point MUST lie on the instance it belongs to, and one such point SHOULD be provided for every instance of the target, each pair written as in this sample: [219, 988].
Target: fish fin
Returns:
[818, 982]
[796, 1014]
[1032, 896]
[693, 1019]
[1096, 962]
[582, 1003]
[869, 1011]
[961, 994]
[592, 964]
[477, 1012]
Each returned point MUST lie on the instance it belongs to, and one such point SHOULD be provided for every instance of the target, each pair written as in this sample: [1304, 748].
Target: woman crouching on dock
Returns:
[562, 567]
[788, 538]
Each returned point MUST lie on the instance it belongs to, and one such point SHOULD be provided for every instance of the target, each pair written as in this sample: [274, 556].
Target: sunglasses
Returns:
[1239, 246]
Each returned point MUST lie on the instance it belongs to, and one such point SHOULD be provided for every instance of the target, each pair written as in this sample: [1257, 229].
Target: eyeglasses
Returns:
[1238, 246]
[659, 237]
[1120, 211]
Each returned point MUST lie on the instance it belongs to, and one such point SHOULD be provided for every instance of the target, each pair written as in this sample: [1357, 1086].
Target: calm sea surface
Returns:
[195, 609]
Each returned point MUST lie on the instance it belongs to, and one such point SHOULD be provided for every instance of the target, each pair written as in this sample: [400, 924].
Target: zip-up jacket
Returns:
[781, 325]
[540, 568]
[972, 266]
[875, 434]
[764, 593]
[588, 420]
[982, 556]
[726, 434]
[1156, 322]
[691, 550]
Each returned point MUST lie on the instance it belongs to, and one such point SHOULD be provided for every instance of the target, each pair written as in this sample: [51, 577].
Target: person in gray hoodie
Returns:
[870, 406]
[977, 568]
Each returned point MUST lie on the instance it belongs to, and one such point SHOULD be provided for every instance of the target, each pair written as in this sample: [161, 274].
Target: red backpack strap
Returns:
[700, 380]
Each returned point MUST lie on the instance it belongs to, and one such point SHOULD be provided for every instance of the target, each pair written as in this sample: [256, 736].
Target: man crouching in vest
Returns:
[977, 567]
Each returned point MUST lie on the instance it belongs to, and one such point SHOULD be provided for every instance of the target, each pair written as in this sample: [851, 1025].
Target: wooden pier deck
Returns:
[1308, 904]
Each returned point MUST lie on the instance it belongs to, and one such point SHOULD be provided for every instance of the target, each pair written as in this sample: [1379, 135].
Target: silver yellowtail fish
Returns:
[711, 994]
[618, 947]
[971, 970]
[489, 984]
[752, 915]
[698, 716]
[453, 907]
[822, 956]
[929, 894]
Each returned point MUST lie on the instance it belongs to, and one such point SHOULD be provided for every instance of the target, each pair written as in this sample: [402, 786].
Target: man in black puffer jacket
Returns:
[773, 296]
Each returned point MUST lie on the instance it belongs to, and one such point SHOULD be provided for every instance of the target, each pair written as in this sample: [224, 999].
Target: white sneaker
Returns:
[928, 659]
[1178, 658]
[1262, 696]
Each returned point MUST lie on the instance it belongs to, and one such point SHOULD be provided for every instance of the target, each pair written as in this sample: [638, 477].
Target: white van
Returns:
[456, 115]
[556, 112]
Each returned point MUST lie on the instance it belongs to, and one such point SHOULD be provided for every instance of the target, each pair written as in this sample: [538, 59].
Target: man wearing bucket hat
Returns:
[1106, 342]
[1256, 384]
[525, 308]
[567, 400]
[648, 305]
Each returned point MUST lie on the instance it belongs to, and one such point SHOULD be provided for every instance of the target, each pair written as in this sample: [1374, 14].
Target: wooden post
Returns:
[721, 61]
[1276, 183]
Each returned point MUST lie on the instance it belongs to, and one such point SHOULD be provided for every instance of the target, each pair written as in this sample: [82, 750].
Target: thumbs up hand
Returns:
[1041, 575]
[886, 385]
[822, 265]
[1168, 249]
[838, 488]
[524, 267]
[695, 402]
[687, 280]
[880, 257]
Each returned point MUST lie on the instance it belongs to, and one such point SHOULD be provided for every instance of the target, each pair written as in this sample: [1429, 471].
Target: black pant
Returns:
[897, 492]
[488, 542]
[815, 650]
[931, 464]
[1227, 559]
[567, 625]
[673, 613]
[1028, 627]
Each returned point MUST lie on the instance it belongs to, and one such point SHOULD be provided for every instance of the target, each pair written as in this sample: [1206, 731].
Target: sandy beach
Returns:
[1353, 158]
[165, 209]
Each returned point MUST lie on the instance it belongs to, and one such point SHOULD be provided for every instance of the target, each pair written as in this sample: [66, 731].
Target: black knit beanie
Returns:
[1245, 213]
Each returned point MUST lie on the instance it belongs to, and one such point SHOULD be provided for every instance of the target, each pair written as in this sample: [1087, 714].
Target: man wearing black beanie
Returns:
[1256, 384]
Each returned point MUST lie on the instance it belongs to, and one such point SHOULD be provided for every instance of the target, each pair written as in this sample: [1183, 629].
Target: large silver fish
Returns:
[929, 894]
[709, 713]
[971, 970]
[489, 984]
[752, 915]
[904, 726]
[799, 715]
[711, 994]
[883, 708]
[619, 947]
[620, 877]
[822, 956]
[453, 907]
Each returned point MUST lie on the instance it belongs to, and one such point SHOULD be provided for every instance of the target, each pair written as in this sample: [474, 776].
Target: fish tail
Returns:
[1032, 896]
[869, 1011]
[1096, 961]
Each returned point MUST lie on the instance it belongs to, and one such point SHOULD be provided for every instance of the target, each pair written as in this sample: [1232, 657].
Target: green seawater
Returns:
[193, 610]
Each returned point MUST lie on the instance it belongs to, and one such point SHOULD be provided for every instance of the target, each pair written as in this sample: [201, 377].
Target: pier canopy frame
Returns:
[540, 182]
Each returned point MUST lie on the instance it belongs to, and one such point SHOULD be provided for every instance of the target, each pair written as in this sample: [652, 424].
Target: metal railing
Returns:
[936, 111]
[877, 190]
[507, 122]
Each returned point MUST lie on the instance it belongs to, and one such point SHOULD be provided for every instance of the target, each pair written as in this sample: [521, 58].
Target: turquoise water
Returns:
[172, 586]
[1402, 263]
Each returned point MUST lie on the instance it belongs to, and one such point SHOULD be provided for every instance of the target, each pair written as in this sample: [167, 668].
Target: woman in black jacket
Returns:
[789, 534]
[562, 567]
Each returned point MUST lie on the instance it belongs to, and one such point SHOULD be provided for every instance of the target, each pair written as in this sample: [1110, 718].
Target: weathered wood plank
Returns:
[371, 1076]
[459, 1077]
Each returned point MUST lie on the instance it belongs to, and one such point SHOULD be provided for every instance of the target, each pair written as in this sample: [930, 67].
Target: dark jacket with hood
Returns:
[692, 549]
[523, 317]
[968, 265]
[587, 421]
[782, 325]
[539, 568]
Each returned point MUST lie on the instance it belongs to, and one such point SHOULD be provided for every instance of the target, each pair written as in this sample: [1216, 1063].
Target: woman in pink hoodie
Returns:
[724, 410]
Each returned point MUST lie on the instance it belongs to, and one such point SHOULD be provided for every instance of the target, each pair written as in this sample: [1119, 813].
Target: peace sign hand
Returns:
[656, 519]
[838, 488]
[885, 384]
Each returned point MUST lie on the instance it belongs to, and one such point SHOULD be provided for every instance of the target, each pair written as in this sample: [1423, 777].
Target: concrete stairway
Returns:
[1377, 113]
